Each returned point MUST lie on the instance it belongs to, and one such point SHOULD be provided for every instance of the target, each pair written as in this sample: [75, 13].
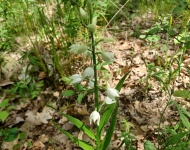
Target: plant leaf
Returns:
[3, 115]
[10, 134]
[109, 108]
[175, 139]
[120, 84]
[4, 103]
[105, 117]
[78, 123]
[184, 120]
[149, 146]
[84, 145]
[68, 93]
[79, 98]
[109, 133]
[182, 93]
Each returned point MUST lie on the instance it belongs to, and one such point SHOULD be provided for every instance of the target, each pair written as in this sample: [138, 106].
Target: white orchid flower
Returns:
[88, 72]
[109, 100]
[95, 117]
[73, 48]
[112, 93]
[78, 49]
[108, 56]
[76, 78]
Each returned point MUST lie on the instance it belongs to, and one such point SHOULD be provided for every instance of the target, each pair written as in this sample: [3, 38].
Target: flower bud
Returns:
[108, 56]
[78, 49]
[91, 27]
[109, 100]
[88, 72]
[112, 93]
[76, 79]
[82, 13]
[82, 49]
[95, 116]
[73, 48]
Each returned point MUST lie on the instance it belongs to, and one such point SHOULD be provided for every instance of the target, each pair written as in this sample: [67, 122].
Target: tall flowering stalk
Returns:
[90, 75]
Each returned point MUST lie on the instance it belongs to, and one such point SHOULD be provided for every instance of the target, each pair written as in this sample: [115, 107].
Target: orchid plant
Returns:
[90, 75]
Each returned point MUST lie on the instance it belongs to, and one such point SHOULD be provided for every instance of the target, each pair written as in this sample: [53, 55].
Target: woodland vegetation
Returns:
[94, 75]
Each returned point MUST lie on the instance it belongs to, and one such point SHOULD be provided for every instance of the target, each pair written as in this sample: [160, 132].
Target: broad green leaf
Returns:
[175, 139]
[78, 123]
[109, 133]
[182, 93]
[84, 145]
[79, 98]
[68, 93]
[149, 146]
[10, 134]
[184, 120]
[4, 103]
[3, 115]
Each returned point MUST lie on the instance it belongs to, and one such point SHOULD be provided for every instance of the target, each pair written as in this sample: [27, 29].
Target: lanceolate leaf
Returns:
[120, 84]
[110, 130]
[175, 139]
[105, 117]
[78, 123]
[184, 120]
[84, 145]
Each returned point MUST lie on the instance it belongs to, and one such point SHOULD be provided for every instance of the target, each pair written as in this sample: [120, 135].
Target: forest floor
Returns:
[141, 101]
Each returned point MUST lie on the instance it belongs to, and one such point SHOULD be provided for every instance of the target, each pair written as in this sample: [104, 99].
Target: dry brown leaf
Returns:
[32, 118]
[61, 138]
[67, 126]
[45, 115]
[9, 145]
[38, 145]
[44, 138]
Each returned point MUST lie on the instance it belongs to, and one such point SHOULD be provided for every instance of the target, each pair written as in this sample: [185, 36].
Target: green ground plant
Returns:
[27, 88]
[6, 134]
[166, 75]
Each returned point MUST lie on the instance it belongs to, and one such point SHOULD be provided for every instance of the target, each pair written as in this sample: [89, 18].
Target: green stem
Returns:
[161, 118]
[95, 87]
[95, 72]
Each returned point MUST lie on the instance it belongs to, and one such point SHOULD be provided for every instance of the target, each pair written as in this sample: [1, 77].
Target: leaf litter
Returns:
[140, 106]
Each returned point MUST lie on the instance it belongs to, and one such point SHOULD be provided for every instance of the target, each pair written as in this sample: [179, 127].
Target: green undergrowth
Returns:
[52, 27]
